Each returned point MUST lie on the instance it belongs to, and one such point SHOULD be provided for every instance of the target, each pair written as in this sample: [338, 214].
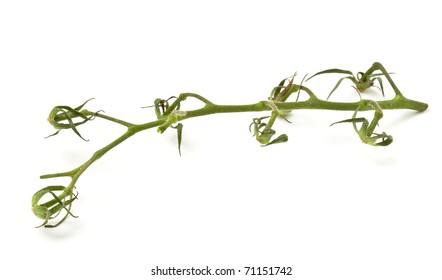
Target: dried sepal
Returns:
[179, 128]
[281, 92]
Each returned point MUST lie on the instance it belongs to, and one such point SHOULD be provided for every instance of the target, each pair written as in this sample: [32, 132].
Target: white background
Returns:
[323, 203]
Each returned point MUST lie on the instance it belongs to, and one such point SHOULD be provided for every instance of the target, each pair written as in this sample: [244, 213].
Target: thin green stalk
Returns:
[105, 117]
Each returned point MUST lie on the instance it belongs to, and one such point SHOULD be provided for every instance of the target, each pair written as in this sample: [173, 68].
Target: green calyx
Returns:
[61, 198]
[64, 117]
[361, 81]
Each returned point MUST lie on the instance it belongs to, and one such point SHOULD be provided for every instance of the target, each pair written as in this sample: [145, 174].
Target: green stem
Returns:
[182, 97]
[313, 103]
[133, 129]
[398, 102]
[379, 66]
[172, 115]
[169, 115]
[55, 175]
[102, 116]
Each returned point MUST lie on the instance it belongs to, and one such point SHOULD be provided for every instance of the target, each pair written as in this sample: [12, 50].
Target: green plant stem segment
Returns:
[49, 202]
